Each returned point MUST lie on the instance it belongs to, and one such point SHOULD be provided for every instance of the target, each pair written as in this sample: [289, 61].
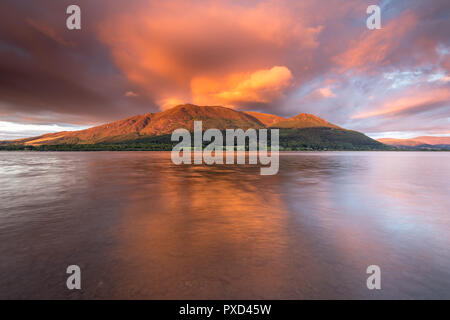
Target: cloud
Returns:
[168, 103]
[45, 69]
[326, 92]
[131, 94]
[11, 130]
[181, 45]
[411, 103]
[377, 48]
[261, 86]
[49, 32]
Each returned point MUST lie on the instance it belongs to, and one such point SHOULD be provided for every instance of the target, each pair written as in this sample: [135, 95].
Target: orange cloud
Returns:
[262, 86]
[168, 103]
[214, 52]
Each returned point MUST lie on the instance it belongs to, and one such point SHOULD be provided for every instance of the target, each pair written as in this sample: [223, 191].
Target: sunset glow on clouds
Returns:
[281, 57]
[261, 86]
[412, 102]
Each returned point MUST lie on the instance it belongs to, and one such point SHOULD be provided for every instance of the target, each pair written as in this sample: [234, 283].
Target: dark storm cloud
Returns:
[45, 68]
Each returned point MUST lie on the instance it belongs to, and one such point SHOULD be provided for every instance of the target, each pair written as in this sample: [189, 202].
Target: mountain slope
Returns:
[183, 116]
[303, 120]
[151, 124]
[265, 118]
[327, 138]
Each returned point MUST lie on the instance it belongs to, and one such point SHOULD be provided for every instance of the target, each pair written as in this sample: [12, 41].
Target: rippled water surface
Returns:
[141, 227]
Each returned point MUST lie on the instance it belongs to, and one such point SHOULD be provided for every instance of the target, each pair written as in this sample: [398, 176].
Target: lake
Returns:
[141, 227]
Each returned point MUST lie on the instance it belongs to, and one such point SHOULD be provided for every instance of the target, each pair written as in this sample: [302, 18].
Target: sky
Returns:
[282, 57]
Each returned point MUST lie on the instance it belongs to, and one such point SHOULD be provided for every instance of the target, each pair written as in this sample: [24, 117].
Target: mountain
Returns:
[423, 142]
[151, 124]
[400, 142]
[152, 131]
[304, 120]
[265, 118]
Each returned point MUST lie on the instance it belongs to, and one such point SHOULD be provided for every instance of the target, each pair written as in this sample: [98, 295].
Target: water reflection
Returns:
[141, 227]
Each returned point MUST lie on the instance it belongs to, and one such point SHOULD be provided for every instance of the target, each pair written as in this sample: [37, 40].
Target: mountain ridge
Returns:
[422, 142]
[164, 122]
[152, 131]
[430, 140]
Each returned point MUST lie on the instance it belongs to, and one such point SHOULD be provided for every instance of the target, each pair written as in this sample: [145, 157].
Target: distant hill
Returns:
[423, 142]
[152, 131]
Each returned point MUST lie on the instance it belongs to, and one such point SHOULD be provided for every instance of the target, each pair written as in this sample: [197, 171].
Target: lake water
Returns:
[140, 227]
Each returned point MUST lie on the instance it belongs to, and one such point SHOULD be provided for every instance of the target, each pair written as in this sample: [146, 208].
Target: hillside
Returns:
[327, 138]
[152, 131]
[151, 124]
[265, 118]
[303, 120]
